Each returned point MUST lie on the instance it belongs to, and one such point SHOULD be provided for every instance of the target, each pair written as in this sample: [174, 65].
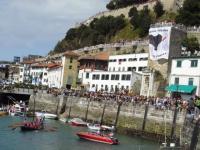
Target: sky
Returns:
[35, 26]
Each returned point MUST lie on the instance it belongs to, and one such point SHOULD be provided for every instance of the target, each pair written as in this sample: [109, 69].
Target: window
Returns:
[70, 67]
[128, 77]
[143, 59]
[113, 68]
[190, 81]
[119, 69]
[106, 87]
[176, 81]
[123, 69]
[102, 77]
[116, 77]
[97, 77]
[45, 74]
[123, 77]
[131, 68]
[88, 75]
[21, 70]
[110, 69]
[93, 77]
[71, 60]
[107, 77]
[112, 77]
[141, 68]
[194, 63]
[178, 63]
[132, 59]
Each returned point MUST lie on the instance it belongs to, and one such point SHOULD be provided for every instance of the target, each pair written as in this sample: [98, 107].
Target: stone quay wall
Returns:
[130, 119]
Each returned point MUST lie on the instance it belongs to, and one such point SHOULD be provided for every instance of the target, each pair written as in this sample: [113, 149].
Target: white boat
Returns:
[77, 122]
[94, 127]
[46, 115]
[63, 120]
[17, 110]
[107, 128]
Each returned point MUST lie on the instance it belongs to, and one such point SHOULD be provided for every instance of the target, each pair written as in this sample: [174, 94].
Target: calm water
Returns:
[63, 139]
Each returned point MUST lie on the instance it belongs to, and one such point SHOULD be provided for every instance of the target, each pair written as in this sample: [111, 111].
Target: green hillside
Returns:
[113, 29]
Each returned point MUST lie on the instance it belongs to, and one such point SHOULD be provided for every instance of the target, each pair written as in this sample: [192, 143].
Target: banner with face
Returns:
[159, 42]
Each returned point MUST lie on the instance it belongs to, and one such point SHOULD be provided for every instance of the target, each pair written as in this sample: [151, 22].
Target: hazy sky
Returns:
[35, 26]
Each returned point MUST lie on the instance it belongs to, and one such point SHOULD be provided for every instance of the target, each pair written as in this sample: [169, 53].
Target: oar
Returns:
[16, 125]
[50, 129]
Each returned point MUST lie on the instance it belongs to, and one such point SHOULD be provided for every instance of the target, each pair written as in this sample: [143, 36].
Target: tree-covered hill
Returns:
[112, 29]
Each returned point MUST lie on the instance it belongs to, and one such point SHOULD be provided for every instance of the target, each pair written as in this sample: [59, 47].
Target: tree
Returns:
[191, 44]
[111, 5]
[158, 9]
[142, 21]
[189, 13]
[132, 11]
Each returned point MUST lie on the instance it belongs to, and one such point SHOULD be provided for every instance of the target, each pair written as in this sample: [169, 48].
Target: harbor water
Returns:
[63, 139]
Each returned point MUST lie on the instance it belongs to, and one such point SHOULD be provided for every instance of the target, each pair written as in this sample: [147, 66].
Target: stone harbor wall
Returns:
[128, 118]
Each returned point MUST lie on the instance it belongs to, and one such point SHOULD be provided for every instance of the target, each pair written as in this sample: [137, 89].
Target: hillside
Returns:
[128, 26]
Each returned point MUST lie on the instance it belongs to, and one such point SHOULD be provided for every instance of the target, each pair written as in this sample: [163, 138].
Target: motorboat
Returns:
[64, 120]
[17, 110]
[46, 115]
[97, 137]
[94, 127]
[107, 128]
[77, 122]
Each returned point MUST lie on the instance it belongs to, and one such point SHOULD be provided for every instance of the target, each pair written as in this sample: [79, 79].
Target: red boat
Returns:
[77, 122]
[34, 125]
[98, 138]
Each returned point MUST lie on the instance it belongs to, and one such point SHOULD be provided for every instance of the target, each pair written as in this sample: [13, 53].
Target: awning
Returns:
[181, 88]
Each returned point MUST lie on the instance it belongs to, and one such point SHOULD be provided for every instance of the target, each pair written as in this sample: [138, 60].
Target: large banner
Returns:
[159, 42]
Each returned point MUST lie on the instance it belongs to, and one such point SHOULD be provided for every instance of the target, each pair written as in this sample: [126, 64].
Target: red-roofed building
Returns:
[90, 63]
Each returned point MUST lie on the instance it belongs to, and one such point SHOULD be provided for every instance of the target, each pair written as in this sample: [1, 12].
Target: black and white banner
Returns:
[159, 42]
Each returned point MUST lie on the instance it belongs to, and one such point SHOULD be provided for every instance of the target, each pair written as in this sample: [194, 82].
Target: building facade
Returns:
[129, 62]
[124, 73]
[54, 75]
[185, 76]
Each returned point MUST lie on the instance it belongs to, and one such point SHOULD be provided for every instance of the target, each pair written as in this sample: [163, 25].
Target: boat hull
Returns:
[97, 138]
[78, 124]
[25, 128]
[46, 115]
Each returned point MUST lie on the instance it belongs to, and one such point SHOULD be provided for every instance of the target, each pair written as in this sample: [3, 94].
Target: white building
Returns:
[21, 74]
[39, 74]
[112, 81]
[54, 75]
[128, 62]
[124, 72]
[185, 76]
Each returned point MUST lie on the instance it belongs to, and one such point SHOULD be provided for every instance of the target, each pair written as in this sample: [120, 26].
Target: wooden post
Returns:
[88, 104]
[104, 107]
[34, 94]
[70, 107]
[174, 124]
[58, 102]
[117, 115]
[145, 116]
[195, 134]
